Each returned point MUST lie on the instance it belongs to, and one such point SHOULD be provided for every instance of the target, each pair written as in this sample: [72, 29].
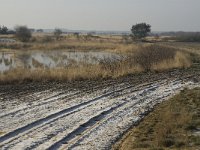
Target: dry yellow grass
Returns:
[105, 68]
[159, 58]
[181, 60]
[44, 41]
[141, 57]
[68, 74]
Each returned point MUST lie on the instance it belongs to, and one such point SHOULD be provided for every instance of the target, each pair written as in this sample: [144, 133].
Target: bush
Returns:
[47, 39]
[148, 56]
[57, 33]
[23, 33]
[3, 30]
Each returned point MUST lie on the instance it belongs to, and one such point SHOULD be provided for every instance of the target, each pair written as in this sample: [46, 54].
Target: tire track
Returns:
[99, 133]
[122, 92]
[129, 92]
[38, 122]
[94, 89]
[83, 127]
[20, 115]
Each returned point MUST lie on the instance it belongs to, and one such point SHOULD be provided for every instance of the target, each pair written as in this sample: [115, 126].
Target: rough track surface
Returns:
[81, 115]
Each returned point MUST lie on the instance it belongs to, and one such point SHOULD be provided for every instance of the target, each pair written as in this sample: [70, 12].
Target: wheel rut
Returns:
[64, 117]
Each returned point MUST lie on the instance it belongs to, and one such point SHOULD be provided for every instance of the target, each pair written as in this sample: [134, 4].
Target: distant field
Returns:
[46, 41]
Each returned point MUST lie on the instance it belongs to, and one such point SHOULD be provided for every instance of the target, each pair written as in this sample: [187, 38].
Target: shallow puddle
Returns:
[49, 59]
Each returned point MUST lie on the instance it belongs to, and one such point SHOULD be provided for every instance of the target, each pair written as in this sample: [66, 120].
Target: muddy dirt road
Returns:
[81, 115]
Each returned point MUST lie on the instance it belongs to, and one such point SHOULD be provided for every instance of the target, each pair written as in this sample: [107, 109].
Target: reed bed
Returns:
[149, 58]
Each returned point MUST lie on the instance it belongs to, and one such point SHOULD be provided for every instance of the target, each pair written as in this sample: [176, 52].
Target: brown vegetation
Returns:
[70, 42]
[156, 57]
[147, 58]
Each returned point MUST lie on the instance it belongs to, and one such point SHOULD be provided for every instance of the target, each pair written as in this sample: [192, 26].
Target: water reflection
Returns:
[48, 59]
[7, 61]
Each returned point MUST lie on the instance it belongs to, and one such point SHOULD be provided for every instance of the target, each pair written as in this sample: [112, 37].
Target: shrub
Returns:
[147, 56]
[23, 33]
[47, 39]
[3, 30]
[57, 33]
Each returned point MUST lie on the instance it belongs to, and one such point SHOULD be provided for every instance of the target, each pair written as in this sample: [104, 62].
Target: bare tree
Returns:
[57, 33]
[23, 33]
[3, 30]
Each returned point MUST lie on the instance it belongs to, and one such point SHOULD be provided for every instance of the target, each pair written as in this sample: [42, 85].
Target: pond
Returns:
[49, 59]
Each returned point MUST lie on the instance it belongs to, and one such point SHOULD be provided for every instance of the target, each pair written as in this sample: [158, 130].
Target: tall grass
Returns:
[155, 57]
[82, 72]
[147, 58]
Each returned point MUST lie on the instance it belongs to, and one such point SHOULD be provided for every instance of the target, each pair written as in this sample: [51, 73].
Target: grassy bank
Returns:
[144, 59]
[174, 124]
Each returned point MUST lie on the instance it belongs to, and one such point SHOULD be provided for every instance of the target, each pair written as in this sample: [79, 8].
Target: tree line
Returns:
[24, 34]
[3, 30]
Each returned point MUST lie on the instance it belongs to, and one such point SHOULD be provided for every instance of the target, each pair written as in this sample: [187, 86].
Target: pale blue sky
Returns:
[163, 15]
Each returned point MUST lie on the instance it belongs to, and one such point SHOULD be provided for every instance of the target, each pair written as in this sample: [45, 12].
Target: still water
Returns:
[48, 59]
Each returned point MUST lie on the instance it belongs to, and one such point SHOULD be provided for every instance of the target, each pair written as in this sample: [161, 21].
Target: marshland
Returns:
[125, 76]
[85, 57]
